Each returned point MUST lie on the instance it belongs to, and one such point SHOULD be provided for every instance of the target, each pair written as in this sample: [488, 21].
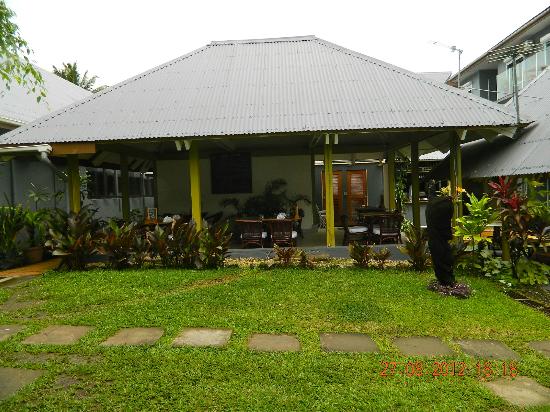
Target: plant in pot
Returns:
[35, 223]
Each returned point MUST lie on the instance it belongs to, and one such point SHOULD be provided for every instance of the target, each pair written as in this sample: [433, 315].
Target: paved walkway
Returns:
[522, 391]
[31, 270]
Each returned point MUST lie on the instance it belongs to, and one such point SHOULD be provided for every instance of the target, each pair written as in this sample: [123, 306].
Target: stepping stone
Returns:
[422, 346]
[134, 336]
[487, 349]
[9, 330]
[58, 335]
[347, 342]
[12, 379]
[541, 346]
[273, 343]
[202, 337]
[521, 391]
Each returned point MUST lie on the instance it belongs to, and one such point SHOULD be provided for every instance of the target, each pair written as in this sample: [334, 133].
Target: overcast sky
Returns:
[117, 39]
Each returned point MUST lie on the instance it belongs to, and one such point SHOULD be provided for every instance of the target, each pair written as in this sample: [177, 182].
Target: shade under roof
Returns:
[299, 84]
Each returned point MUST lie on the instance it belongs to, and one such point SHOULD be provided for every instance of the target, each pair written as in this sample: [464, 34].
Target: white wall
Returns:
[174, 192]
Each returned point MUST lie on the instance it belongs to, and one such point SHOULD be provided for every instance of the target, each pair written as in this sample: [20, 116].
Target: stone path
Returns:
[6, 331]
[58, 335]
[521, 391]
[203, 337]
[264, 342]
[134, 336]
[12, 379]
[347, 342]
[422, 346]
[487, 349]
[542, 347]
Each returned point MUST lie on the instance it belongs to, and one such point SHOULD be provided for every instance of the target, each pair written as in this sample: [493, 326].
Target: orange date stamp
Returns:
[483, 369]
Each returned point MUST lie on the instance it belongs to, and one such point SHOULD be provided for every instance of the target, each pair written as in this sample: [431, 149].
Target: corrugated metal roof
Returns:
[297, 84]
[438, 77]
[529, 153]
[17, 106]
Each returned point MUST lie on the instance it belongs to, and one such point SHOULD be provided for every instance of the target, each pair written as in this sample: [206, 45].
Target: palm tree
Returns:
[70, 73]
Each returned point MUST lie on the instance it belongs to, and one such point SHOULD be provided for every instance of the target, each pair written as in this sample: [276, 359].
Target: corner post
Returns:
[391, 180]
[73, 183]
[329, 192]
[453, 176]
[195, 184]
[124, 190]
[415, 180]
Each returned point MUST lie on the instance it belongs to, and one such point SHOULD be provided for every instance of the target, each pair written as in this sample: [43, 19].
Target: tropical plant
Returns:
[381, 257]
[70, 72]
[285, 256]
[73, 236]
[140, 250]
[214, 246]
[15, 64]
[532, 272]
[184, 245]
[361, 253]
[116, 242]
[12, 221]
[159, 247]
[415, 246]
[471, 226]
[272, 201]
[36, 222]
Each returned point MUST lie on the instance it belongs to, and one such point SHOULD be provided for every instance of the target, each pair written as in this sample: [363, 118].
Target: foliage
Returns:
[158, 240]
[70, 72]
[361, 253]
[184, 245]
[305, 261]
[471, 226]
[285, 256]
[15, 64]
[36, 223]
[73, 236]
[12, 220]
[117, 243]
[140, 250]
[214, 246]
[415, 246]
[532, 272]
[381, 257]
[272, 201]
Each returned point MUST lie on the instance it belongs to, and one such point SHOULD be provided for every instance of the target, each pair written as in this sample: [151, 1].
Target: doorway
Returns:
[349, 191]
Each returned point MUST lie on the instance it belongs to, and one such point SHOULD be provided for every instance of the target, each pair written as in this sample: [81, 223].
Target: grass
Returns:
[384, 304]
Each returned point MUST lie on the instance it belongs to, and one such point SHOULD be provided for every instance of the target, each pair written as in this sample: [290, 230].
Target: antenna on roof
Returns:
[452, 49]
[513, 53]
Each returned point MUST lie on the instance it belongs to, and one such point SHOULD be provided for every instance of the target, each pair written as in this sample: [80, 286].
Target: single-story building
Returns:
[227, 118]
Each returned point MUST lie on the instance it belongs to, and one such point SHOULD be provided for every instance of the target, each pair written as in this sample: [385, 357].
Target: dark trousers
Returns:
[442, 259]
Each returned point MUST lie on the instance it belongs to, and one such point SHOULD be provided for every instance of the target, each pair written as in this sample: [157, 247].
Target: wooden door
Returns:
[337, 194]
[356, 189]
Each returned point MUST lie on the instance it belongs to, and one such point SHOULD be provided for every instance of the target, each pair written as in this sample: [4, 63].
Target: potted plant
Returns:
[35, 224]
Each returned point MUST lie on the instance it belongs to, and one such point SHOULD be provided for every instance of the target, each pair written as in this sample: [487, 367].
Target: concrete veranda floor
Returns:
[313, 243]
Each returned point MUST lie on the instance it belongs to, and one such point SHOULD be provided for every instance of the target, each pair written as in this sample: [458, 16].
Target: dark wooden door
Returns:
[337, 195]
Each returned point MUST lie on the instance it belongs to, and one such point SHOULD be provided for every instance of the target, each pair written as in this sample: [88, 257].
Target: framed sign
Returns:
[151, 215]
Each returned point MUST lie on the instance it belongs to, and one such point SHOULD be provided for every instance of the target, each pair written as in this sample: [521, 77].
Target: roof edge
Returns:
[266, 40]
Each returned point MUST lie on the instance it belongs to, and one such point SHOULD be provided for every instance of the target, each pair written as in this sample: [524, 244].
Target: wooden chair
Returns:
[389, 228]
[252, 233]
[282, 233]
[353, 233]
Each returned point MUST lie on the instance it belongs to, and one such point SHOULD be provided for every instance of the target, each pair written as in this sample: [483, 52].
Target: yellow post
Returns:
[195, 183]
[125, 192]
[329, 193]
[458, 167]
[391, 180]
[74, 183]
[415, 183]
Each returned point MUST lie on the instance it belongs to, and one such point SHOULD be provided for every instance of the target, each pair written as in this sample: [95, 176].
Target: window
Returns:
[96, 183]
[148, 182]
[231, 173]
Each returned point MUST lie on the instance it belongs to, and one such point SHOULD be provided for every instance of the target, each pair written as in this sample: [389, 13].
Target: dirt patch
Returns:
[24, 357]
[65, 381]
[84, 360]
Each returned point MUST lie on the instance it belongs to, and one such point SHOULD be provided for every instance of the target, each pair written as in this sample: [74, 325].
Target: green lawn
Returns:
[384, 304]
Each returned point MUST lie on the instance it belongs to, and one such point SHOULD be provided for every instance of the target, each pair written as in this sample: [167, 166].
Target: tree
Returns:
[14, 56]
[70, 72]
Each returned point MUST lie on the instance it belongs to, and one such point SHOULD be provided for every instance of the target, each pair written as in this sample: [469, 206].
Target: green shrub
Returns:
[117, 243]
[73, 236]
[381, 257]
[361, 254]
[416, 247]
[285, 256]
[12, 220]
[214, 246]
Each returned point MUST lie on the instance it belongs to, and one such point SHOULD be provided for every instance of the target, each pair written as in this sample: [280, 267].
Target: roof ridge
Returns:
[415, 76]
[265, 40]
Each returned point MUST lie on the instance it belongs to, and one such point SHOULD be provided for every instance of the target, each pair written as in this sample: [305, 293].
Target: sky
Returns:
[117, 39]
